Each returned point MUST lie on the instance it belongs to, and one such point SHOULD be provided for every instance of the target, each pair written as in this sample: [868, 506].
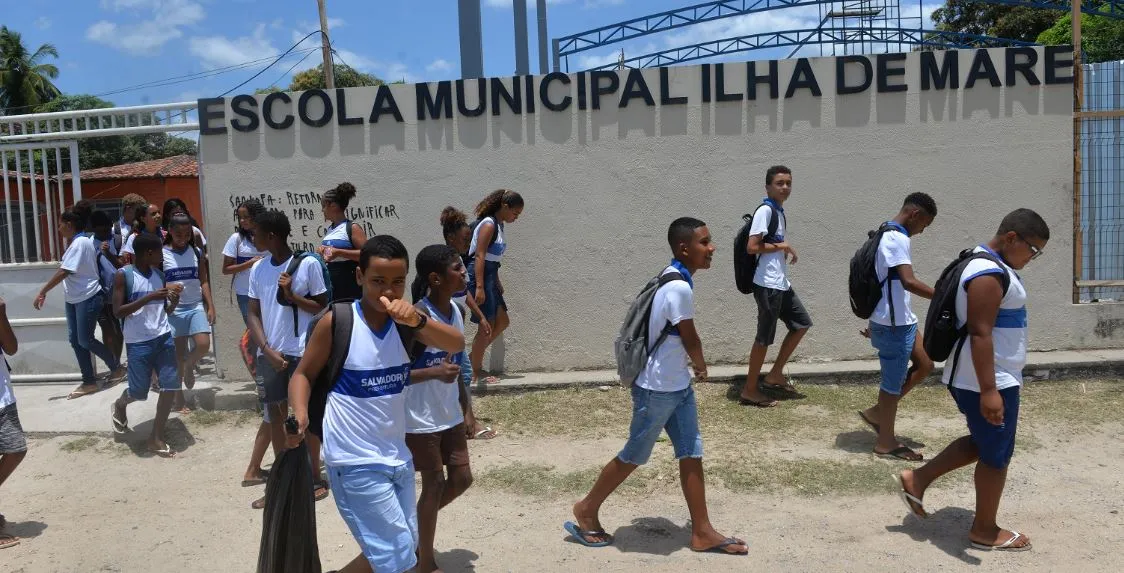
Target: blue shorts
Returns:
[466, 370]
[157, 355]
[244, 307]
[677, 412]
[493, 299]
[894, 345]
[189, 320]
[996, 444]
[377, 503]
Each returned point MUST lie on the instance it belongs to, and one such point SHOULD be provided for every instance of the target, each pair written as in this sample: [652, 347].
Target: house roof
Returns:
[176, 166]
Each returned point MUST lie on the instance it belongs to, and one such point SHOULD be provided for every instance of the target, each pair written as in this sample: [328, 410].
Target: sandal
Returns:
[1005, 546]
[580, 535]
[262, 478]
[120, 426]
[486, 434]
[901, 453]
[766, 403]
[721, 547]
[912, 502]
[82, 390]
[7, 541]
[785, 390]
[322, 487]
[166, 452]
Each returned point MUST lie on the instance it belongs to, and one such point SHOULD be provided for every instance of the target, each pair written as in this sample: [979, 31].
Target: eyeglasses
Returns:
[1035, 252]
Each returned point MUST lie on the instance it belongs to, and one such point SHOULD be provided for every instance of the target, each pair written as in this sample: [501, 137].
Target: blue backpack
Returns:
[127, 270]
[294, 264]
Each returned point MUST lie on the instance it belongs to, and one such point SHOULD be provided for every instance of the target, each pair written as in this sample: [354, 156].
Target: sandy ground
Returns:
[89, 504]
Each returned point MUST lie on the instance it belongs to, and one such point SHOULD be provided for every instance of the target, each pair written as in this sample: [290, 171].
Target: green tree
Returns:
[94, 152]
[25, 79]
[345, 76]
[998, 20]
[1102, 38]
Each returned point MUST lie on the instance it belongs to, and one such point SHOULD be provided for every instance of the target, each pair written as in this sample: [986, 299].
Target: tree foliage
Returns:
[1102, 38]
[998, 20]
[25, 77]
[94, 152]
[345, 77]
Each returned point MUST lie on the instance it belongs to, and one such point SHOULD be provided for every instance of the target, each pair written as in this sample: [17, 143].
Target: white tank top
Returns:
[183, 267]
[365, 418]
[338, 237]
[151, 321]
[496, 249]
[434, 405]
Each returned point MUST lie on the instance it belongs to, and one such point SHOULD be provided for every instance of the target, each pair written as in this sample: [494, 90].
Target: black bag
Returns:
[942, 335]
[291, 270]
[288, 535]
[745, 264]
[862, 281]
[342, 321]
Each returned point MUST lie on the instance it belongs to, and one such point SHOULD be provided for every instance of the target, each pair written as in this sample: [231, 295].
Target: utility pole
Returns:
[326, 47]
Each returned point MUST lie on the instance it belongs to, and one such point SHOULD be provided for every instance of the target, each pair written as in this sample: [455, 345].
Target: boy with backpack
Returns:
[142, 299]
[358, 356]
[977, 323]
[893, 326]
[773, 292]
[287, 289]
[662, 395]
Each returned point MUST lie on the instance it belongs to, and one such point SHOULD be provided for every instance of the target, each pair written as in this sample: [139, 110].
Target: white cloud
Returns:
[42, 22]
[439, 66]
[165, 22]
[218, 51]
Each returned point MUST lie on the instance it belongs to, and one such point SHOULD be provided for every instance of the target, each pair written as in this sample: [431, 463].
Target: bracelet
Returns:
[421, 323]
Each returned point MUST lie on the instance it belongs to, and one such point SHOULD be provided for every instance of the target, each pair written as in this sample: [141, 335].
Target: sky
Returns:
[135, 52]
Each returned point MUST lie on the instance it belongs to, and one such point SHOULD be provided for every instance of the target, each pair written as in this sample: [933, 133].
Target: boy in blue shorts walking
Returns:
[985, 379]
[663, 398]
[144, 308]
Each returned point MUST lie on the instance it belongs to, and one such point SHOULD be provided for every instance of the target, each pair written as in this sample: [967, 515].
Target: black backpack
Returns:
[342, 321]
[942, 336]
[745, 264]
[862, 282]
[291, 270]
[472, 232]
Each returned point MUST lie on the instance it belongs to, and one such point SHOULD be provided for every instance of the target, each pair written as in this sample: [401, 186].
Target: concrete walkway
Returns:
[44, 409]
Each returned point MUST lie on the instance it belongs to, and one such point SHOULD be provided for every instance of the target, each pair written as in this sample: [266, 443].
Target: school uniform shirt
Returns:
[338, 237]
[893, 250]
[1009, 336]
[277, 320]
[80, 261]
[151, 321]
[7, 396]
[772, 270]
[124, 229]
[127, 248]
[241, 249]
[434, 405]
[182, 266]
[669, 367]
[497, 248]
[365, 417]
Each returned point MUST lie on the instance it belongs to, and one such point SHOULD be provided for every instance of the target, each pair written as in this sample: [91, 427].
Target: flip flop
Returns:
[321, 484]
[1005, 546]
[166, 452]
[788, 390]
[7, 541]
[119, 426]
[258, 503]
[491, 380]
[908, 499]
[768, 403]
[482, 434]
[721, 547]
[902, 453]
[870, 423]
[579, 535]
[82, 391]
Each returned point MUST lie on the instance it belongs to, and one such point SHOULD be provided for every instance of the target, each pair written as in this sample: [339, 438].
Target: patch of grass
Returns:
[540, 480]
[246, 417]
[207, 418]
[81, 444]
[1078, 404]
[863, 475]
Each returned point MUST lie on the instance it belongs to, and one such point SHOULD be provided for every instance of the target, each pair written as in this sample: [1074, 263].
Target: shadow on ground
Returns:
[25, 529]
[946, 529]
[862, 441]
[457, 560]
[651, 535]
[176, 435]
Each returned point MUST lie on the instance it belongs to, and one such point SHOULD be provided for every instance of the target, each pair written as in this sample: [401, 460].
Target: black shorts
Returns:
[775, 304]
[273, 385]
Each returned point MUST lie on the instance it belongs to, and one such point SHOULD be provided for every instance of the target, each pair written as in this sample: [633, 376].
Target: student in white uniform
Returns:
[364, 424]
[175, 206]
[342, 240]
[85, 299]
[185, 268]
[986, 378]
[143, 300]
[501, 207]
[146, 219]
[108, 245]
[13, 441]
[124, 224]
[436, 401]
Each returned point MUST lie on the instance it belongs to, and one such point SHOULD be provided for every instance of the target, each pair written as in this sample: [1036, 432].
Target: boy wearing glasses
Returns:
[986, 383]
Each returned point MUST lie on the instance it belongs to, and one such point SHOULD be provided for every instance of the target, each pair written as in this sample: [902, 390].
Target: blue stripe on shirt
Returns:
[372, 383]
[1011, 318]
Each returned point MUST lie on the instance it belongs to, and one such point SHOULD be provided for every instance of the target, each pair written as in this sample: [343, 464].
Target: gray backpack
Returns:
[631, 345]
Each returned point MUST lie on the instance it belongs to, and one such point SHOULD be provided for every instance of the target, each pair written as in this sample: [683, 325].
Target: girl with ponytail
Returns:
[341, 243]
[485, 251]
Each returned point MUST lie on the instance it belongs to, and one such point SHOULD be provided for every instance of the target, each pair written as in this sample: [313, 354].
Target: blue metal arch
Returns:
[716, 10]
[918, 37]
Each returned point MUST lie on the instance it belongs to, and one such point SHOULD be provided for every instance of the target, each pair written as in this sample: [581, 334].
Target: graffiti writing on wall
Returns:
[307, 218]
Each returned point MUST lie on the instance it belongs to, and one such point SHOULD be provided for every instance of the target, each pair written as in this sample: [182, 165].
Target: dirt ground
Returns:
[798, 483]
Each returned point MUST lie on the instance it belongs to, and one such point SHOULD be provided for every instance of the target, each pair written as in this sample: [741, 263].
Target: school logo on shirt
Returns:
[373, 383]
[430, 359]
[182, 274]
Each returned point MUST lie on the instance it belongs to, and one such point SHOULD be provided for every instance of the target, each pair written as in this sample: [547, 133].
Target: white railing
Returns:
[133, 120]
[23, 155]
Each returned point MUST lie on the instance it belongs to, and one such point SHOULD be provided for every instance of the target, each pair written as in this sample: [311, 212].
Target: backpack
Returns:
[862, 282]
[295, 264]
[745, 264]
[942, 337]
[631, 345]
[342, 322]
[106, 271]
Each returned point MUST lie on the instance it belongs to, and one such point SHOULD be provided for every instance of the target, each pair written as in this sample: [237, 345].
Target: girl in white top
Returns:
[239, 254]
[186, 270]
[146, 219]
[341, 243]
[484, 254]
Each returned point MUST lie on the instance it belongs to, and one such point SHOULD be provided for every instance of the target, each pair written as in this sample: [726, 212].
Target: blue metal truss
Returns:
[916, 37]
[710, 11]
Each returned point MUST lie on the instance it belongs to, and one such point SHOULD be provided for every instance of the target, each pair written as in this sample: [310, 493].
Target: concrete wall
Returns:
[602, 185]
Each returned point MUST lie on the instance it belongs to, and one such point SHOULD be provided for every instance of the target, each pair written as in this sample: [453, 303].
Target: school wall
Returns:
[602, 185]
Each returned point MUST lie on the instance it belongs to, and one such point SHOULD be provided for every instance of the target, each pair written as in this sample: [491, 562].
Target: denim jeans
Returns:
[81, 318]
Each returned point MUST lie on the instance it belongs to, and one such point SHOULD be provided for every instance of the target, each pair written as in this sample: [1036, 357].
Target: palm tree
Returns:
[25, 80]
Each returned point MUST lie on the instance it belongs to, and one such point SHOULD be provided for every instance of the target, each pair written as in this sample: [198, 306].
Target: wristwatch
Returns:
[421, 323]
